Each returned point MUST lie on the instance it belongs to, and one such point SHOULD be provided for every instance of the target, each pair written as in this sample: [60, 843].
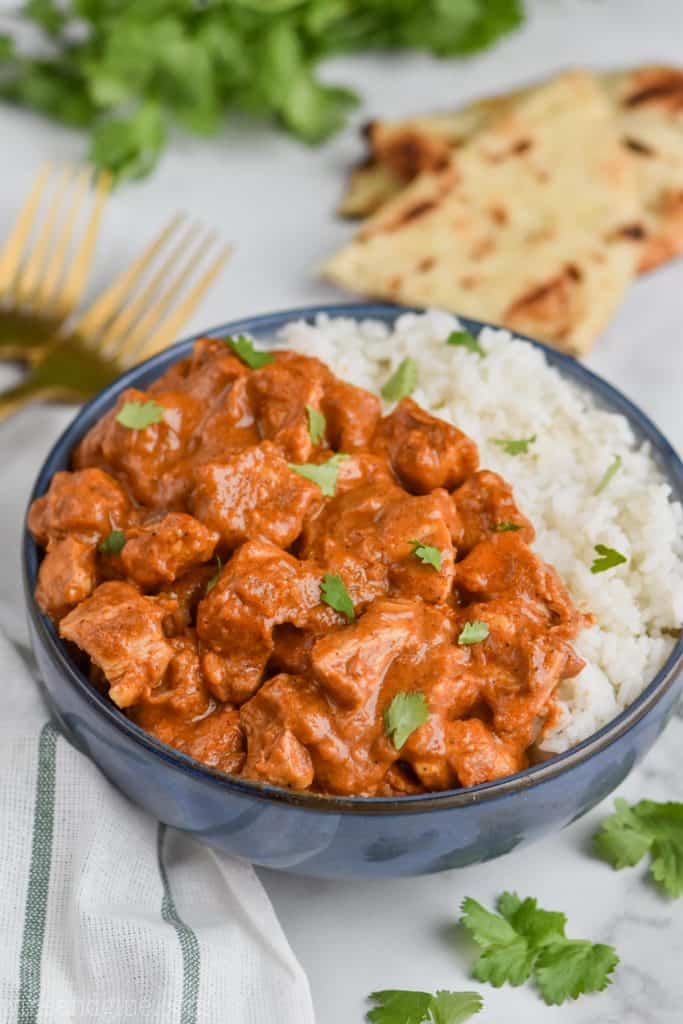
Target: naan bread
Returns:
[532, 224]
[648, 107]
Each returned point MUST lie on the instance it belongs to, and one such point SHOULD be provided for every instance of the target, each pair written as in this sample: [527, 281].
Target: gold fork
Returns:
[138, 315]
[46, 260]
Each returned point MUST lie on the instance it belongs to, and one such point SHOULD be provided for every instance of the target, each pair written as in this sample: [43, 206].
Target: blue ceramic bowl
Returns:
[344, 836]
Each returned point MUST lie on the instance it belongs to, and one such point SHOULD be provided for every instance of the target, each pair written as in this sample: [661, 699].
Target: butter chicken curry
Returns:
[269, 575]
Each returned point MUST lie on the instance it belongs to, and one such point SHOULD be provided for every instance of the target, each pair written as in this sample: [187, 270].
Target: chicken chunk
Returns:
[253, 493]
[505, 566]
[259, 588]
[67, 576]
[280, 392]
[121, 631]
[162, 550]
[145, 458]
[88, 503]
[184, 594]
[352, 415]
[182, 713]
[486, 506]
[425, 452]
[477, 755]
[207, 375]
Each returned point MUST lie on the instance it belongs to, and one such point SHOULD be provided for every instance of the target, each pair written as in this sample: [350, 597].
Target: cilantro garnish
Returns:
[334, 593]
[403, 382]
[244, 349]
[466, 340]
[138, 415]
[473, 633]
[522, 941]
[316, 424]
[324, 474]
[611, 471]
[406, 712]
[646, 827]
[507, 527]
[396, 1006]
[214, 579]
[113, 543]
[427, 554]
[518, 447]
[609, 557]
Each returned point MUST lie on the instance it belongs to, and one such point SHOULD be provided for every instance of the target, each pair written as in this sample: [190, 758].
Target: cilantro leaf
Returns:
[244, 349]
[473, 633]
[334, 593]
[518, 447]
[507, 527]
[427, 554]
[465, 340]
[138, 415]
[324, 474]
[316, 424]
[113, 543]
[454, 1007]
[407, 711]
[214, 579]
[523, 941]
[399, 1007]
[646, 827]
[396, 1006]
[610, 472]
[609, 557]
[403, 382]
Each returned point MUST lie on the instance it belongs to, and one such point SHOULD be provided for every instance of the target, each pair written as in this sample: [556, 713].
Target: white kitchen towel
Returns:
[108, 917]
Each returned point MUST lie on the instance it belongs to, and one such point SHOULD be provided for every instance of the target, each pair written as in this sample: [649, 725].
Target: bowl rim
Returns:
[670, 465]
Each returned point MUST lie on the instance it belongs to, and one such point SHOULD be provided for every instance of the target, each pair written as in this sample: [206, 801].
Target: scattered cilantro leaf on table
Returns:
[465, 340]
[396, 1006]
[473, 633]
[316, 424]
[402, 382]
[608, 558]
[514, 447]
[507, 527]
[139, 415]
[609, 473]
[646, 827]
[407, 711]
[334, 593]
[522, 941]
[243, 348]
[128, 72]
[113, 543]
[427, 554]
[324, 474]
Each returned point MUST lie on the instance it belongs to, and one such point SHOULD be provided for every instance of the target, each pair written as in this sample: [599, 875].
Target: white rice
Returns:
[514, 393]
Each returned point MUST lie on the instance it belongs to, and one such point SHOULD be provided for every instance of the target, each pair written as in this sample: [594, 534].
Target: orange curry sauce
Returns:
[208, 626]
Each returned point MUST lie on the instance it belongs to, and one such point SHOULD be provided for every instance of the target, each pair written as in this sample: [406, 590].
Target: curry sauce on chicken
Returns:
[268, 574]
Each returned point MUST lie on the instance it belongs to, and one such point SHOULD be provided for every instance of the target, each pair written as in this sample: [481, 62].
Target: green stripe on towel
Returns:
[189, 946]
[38, 878]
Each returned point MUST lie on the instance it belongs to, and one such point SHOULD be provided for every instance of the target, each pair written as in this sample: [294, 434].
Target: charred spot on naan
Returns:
[549, 308]
[656, 86]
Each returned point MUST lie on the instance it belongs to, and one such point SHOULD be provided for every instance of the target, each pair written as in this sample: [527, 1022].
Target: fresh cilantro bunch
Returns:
[522, 941]
[646, 827]
[128, 70]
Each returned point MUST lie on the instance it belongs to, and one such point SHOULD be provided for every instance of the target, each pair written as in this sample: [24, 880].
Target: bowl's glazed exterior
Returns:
[333, 836]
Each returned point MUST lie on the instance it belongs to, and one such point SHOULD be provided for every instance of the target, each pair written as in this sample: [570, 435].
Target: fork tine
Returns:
[11, 256]
[98, 315]
[74, 286]
[126, 317]
[27, 277]
[171, 326]
[54, 272]
[164, 303]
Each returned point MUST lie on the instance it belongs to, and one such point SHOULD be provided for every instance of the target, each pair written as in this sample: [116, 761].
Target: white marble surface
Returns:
[275, 199]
